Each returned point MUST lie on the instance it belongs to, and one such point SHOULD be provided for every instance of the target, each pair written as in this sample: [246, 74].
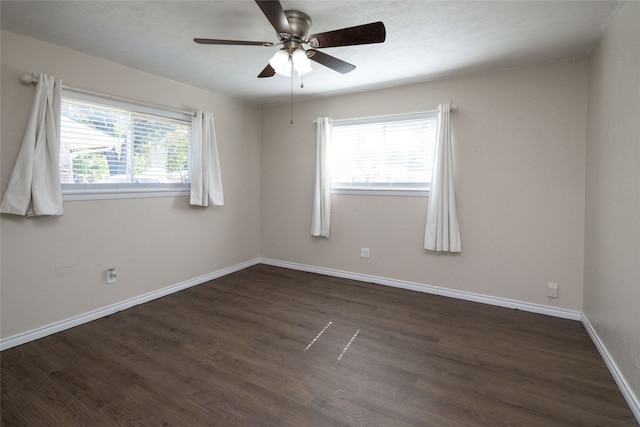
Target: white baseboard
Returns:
[627, 393]
[53, 328]
[467, 296]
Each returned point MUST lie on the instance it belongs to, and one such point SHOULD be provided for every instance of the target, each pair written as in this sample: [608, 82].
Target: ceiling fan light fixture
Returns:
[301, 63]
[281, 62]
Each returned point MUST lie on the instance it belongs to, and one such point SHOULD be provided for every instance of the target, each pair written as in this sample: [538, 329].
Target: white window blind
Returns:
[384, 153]
[115, 148]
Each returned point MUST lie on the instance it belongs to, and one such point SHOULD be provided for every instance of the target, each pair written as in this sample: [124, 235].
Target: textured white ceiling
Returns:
[425, 39]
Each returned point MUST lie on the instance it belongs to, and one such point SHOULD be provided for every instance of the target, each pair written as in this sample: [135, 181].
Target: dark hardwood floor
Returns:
[273, 347]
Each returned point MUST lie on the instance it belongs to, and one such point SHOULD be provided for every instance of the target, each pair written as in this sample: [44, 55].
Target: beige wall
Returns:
[612, 232]
[519, 149]
[153, 243]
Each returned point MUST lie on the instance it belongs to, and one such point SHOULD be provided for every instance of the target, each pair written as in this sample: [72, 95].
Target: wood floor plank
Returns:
[268, 346]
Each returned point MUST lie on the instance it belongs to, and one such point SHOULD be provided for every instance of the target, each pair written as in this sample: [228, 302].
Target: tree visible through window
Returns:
[100, 144]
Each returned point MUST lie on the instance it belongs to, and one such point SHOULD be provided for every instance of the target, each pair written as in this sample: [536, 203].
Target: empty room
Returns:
[320, 213]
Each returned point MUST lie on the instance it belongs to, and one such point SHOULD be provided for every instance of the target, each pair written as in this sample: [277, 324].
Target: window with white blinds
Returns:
[383, 153]
[117, 147]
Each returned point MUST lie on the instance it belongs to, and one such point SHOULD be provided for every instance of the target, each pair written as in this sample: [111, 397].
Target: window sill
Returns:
[69, 195]
[380, 192]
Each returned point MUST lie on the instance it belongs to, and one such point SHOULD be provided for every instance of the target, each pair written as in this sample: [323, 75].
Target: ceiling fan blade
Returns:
[272, 9]
[330, 61]
[267, 72]
[232, 42]
[361, 34]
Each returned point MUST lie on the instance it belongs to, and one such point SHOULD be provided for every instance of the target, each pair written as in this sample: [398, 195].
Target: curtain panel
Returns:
[34, 186]
[321, 214]
[206, 177]
[442, 229]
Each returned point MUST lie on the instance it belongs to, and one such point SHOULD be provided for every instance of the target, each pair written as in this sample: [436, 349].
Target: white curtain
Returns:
[34, 186]
[442, 231]
[321, 215]
[206, 178]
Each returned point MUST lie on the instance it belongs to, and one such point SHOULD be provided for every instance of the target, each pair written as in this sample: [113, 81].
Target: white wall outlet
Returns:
[365, 253]
[111, 275]
[552, 290]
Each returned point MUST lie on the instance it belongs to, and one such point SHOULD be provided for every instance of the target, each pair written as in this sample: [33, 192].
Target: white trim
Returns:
[618, 377]
[78, 194]
[53, 328]
[380, 192]
[435, 290]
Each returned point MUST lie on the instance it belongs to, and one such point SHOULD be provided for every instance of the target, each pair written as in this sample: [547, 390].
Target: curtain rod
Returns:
[452, 108]
[32, 79]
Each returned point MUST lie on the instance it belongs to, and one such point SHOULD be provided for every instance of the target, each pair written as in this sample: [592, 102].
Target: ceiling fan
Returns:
[292, 28]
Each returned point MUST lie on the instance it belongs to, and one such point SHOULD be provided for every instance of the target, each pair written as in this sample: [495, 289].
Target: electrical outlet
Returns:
[111, 275]
[552, 290]
[365, 253]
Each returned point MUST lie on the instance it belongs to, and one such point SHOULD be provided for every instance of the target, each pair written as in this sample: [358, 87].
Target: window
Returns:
[393, 153]
[113, 149]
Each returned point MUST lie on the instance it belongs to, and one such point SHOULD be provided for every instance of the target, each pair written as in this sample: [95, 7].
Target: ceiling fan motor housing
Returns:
[300, 23]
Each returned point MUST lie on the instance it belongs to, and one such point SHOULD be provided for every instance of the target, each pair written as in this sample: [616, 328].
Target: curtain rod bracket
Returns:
[29, 79]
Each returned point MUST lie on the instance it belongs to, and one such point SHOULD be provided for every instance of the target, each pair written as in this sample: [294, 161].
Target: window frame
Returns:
[79, 192]
[404, 189]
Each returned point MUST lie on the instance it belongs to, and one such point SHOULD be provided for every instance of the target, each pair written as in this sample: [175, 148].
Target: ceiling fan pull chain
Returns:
[291, 119]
